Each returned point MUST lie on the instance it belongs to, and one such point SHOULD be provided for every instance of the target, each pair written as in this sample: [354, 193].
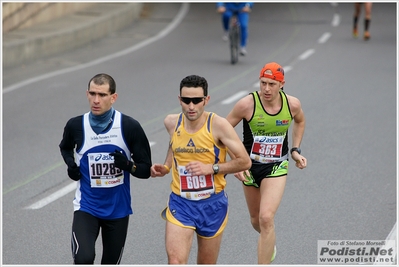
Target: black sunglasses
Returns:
[195, 100]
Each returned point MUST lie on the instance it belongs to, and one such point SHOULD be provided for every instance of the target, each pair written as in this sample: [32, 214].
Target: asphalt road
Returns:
[348, 90]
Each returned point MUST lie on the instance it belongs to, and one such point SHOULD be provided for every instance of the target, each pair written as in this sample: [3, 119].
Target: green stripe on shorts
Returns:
[280, 170]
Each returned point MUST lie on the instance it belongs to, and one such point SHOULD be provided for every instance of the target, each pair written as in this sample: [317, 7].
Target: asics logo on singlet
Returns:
[103, 157]
[268, 140]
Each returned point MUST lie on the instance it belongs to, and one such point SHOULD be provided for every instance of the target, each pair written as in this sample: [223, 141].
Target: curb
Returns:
[66, 33]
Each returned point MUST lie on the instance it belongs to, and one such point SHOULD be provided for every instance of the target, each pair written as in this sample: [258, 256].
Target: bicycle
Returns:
[234, 38]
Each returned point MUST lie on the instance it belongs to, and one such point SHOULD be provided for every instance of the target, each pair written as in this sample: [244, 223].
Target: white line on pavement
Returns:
[287, 69]
[235, 97]
[306, 54]
[335, 21]
[53, 197]
[324, 38]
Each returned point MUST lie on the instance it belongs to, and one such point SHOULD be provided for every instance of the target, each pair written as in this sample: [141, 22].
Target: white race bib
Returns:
[267, 149]
[195, 187]
[102, 170]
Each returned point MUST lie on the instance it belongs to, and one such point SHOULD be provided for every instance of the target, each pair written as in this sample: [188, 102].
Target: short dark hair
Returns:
[195, 81]
[103, 78]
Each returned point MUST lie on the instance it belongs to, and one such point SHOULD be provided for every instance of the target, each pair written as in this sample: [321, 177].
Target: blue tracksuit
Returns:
[243, 18]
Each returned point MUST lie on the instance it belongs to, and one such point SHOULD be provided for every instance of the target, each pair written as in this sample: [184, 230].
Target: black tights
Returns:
[85, 230]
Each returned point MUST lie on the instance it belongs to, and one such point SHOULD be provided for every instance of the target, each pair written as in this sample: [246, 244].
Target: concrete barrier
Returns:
[68, 32]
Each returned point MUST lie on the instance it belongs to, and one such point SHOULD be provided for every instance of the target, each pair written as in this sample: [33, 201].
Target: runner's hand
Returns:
[159, 170]
[74, 172]
[240, 176]
[246, 9]
[300, 162]
[121, 161]
[221, 9]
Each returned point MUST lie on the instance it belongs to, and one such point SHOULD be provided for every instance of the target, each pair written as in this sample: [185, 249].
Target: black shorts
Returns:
[260, 171]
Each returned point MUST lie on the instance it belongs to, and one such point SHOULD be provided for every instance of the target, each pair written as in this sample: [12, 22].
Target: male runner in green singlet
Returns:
[267, 115]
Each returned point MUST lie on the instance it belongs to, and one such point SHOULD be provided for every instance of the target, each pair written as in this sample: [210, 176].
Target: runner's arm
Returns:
[138, 145]
[227, 136]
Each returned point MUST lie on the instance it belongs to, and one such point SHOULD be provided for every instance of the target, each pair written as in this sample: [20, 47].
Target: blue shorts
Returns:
[208, 217]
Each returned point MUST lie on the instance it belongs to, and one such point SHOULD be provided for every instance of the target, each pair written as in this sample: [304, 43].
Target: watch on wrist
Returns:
[215, 168]
[297, 149]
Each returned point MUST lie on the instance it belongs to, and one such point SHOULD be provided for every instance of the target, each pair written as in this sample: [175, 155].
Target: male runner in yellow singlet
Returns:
[199, 141]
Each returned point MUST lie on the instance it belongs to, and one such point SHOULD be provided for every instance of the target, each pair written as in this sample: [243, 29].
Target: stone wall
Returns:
[73, 25]
[21, 15]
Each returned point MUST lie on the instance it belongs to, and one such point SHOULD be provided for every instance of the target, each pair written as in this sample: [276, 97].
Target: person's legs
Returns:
[367, 20]
[113, 234]
[271, 191]
[85, 230]
[226, 19]
[356, 19]
[208, 249]
[243, 18]
[357, 9]
[252, 197]
[178, 242]
[225, 23]
[367, 7]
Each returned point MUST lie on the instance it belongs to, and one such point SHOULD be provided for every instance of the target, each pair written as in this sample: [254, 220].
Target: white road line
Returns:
[306, 54]
[53, 197]
[58, 194]
[287, 69]
[324, 37]
[235, 97]
[391, 237]
[152, 143]
[176, 21]
[335, 21]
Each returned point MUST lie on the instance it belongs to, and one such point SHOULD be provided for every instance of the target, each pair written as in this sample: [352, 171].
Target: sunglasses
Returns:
[195, 100]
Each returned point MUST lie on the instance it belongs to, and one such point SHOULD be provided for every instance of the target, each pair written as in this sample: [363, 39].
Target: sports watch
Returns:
[215, 168]
[297, 149]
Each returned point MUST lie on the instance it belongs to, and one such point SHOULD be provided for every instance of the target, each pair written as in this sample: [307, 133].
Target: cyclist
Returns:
[242, 11]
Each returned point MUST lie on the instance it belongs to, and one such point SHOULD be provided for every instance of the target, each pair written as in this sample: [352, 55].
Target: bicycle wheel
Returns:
[234, 40]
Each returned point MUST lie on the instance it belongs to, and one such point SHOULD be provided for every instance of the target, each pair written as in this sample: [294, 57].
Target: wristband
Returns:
[167, 168]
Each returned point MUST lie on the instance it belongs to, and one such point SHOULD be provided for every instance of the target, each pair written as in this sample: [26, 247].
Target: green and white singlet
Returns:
[265, 135]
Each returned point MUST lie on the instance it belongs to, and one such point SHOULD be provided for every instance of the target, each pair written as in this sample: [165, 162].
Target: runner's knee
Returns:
[255, 223]
[84, 258]
[266, 219]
